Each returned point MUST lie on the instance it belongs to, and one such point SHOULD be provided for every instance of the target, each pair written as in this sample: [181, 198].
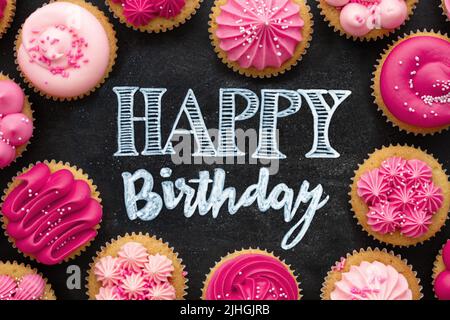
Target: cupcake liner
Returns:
[29, 112]
[16, 270]
[231, 255]
[158, 24]
[376, 94]
[359, 208]
[54, 166]
[438, 266]
[370, 255]
[153, 245]
[331, 15]
[10, 12]
[301, 50]
[111, 33]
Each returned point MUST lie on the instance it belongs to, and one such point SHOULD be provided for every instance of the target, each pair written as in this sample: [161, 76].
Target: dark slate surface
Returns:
[84, 133]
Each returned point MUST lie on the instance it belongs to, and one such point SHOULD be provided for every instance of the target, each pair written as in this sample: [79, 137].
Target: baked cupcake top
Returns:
[371, 281]
[442, 280]
[16, 128]
[134, 274]
[50, 214]
[359, 17]
[401, 197]
[259, 33]
[415, 81]
[251, 276]
[63, 50]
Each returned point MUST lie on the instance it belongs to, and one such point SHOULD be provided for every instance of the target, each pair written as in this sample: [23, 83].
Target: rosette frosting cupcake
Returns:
[66, 49]
[51, 212]
[153, 15]
[251, 275]
[366, 19]
[441, 273]
[20, 282]
[7, 11]
[260, 38]
[411, 83]
[400, 195]
[16, 121]
[371, 275]
[136, 267]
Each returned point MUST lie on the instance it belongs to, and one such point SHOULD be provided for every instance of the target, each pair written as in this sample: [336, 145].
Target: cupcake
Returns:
[251, 274]
[411, 83]
[441, 273]
[371, 274]
[20, 282]
[446, 8]
[7, 11]
[366, 19]
[153, 15]
[400, 195]
[66, 49]
[51, 212]
[136, 267]
[260, 38]
[16, 121]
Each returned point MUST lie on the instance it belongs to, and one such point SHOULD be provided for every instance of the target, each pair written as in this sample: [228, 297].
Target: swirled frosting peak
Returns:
[51, 214]
[372, 281]
[28, 287]
[442, 281]
[252, 277]
[259, 33]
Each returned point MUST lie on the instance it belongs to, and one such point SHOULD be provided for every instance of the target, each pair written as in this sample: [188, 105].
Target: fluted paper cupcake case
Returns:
[376, 94]
[5, 22]
[16, 270]
[383, 256]
[154, 245]
[158, 24]
[439, 218]
[29, 112]
[376, 34]
[54, 165]
[250, 250]
[111, 33]
[302, 47]
[438, 266]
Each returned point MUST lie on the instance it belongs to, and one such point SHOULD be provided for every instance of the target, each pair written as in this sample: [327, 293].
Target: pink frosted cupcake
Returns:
[441, 273]
[446, 8]
[7, 11]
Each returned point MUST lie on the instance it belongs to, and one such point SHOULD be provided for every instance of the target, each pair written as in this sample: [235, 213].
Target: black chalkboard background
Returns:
[84, 134]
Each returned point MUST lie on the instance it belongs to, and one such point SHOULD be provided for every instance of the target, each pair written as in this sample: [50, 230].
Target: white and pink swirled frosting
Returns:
[259, 33]
[359, 17]
[28, 287]
[372, 281]
[16, 128]
[135, 275]
[401, 196]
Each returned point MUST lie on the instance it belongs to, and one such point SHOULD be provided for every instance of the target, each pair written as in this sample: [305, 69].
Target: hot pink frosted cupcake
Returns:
[136, 267]
[153, 15]
[441, 273]
[7, 11]
[16, 121]
[366, 19]
[260, 38]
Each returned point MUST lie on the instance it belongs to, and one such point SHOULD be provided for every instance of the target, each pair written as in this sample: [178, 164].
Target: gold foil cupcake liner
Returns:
[153, 245]
[301, 50]
[9, 13]
[29, 112]
[381, 255]
[236, 253]
[158, 24]
[331, 15]
[16, 270]
[359, 208]
[376, 93]
[54, 166]
[111, 33]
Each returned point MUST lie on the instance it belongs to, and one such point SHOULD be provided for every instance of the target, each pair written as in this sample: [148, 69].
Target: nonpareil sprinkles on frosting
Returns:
[51, 215]
[259, 33]
[135, 275]
[28, 287]
[401, 197]
[141, 12]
